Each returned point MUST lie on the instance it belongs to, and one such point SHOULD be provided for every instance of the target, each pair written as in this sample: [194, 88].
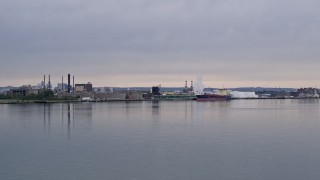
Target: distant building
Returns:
[121, 96]
[103, 90]
[155, 90]
[24, 91]
[308, 93]
[238, 94]
[40, 85]
[264, 95]
[83, 87]
[61, 86]
[5, 90]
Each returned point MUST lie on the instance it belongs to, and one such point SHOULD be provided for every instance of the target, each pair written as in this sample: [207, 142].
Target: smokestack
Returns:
[62, 84]
[191, 88]
[49, 83]
[186, 86]
[68, 83]
[44, 82]
[73, 84]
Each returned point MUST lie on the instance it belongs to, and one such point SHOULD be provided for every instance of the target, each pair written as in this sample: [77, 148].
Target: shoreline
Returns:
[18, 101]
[15, 101]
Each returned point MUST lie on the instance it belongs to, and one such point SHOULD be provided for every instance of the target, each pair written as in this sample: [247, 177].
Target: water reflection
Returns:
[46, 117]
[155, 109]
[69, 112]
[241, 139]
[66, 116]
[82, 113]
[189, 107]
[308, 101]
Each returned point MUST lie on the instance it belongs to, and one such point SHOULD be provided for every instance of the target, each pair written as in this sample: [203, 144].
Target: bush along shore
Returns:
[43, 97]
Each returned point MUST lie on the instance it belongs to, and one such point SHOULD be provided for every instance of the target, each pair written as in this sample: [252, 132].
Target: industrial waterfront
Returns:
[44, 92]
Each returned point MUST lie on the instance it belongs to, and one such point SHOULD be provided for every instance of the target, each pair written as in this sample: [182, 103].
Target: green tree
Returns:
[47, 94]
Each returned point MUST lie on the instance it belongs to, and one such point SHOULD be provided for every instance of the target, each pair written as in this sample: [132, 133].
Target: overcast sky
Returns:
[231, 43]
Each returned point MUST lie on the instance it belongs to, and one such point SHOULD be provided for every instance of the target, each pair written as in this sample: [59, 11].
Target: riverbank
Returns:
[18, 101]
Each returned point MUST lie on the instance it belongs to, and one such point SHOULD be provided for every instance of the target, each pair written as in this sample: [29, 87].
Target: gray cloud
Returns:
[231, 40]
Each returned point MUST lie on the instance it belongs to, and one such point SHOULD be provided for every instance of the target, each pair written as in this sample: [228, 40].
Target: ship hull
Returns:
[212, 97]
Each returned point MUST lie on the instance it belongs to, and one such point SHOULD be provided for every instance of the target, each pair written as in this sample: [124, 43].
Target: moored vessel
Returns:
[213, 97]
[219, 95]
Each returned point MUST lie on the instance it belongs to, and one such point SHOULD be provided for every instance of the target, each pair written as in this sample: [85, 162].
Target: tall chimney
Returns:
[73, 88]
[49, 83]
[62, 84]
[68, 83]
[44, 82]
[191, 88]
[186, 86]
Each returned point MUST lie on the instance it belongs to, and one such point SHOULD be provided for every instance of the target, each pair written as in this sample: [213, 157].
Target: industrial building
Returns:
[23, 91]
[61, 86]
[83, 87]
[121, 96]
[308, 93]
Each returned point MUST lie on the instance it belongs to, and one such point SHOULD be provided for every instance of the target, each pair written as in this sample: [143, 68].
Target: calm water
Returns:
[241, 139]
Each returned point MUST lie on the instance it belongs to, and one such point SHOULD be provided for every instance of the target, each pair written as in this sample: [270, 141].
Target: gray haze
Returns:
[146, 42]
